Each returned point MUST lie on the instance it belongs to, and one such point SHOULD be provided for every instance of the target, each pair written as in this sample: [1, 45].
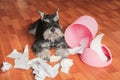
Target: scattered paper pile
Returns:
[41, 69]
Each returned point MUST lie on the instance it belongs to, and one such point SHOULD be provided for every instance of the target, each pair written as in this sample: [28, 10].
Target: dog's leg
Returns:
[44, 54]
[42, 49]
[62, 50]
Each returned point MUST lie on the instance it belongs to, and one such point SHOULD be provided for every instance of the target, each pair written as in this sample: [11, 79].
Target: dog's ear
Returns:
[41, 14]
[56, 18]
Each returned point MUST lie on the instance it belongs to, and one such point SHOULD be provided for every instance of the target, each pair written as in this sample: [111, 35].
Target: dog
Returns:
[48, 35]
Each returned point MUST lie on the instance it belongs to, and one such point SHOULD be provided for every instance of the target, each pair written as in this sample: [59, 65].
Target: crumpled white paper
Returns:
[6, 66]
[79, 50]
[21, 60]
[15, 54]
[54, 58]
[42, 69]
[97, 46]
[66, 64]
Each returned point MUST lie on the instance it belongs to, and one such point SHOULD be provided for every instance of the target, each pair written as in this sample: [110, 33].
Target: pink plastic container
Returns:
[86, 27]
[83, 27]
[91, 57]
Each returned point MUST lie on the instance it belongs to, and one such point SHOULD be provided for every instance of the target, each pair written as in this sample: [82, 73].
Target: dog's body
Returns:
[48, 34]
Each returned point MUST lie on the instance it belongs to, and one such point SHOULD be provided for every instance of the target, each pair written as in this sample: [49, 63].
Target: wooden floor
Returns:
[16, 15]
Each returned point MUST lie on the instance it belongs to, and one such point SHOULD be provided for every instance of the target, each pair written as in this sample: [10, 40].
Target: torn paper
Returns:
[42, 69]
[39, 78]
[66, 64]
[39, 74]
[20, 60]
[97, 46]
[76, 50]
[54, 58]
[23, 60]
[6, 66]
[79, 50]
[15, 54]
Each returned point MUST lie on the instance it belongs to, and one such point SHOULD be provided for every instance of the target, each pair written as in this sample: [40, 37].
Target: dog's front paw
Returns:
[62, 52]
[45, 55]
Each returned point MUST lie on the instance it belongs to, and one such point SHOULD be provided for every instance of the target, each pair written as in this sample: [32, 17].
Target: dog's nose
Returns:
[53, 30]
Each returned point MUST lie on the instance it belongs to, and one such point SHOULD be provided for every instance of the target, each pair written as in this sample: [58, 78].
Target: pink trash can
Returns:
[86, 27]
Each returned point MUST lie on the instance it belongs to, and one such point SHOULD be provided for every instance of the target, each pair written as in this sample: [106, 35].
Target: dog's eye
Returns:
[47, 20]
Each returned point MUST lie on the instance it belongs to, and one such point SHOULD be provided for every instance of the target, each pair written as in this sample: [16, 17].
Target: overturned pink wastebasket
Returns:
[86, 27]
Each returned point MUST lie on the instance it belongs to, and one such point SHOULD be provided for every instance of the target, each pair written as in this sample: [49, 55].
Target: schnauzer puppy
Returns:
[48, 34]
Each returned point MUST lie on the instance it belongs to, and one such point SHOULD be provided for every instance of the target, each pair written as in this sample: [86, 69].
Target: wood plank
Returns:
[16, 15]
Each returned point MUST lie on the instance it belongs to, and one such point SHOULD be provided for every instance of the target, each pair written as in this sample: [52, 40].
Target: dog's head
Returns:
[51, 27]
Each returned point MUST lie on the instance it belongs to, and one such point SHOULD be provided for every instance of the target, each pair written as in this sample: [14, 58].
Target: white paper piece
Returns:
[14, 54]
[39, 78]
[39, 74]
[97, 46]
[54, 58]
[79, 50]
[23, 60]
[76, 50]
[42, 69]
[6, 66]
[66, 64]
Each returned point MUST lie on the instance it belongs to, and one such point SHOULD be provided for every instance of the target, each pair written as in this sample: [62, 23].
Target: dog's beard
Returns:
[52, 36]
